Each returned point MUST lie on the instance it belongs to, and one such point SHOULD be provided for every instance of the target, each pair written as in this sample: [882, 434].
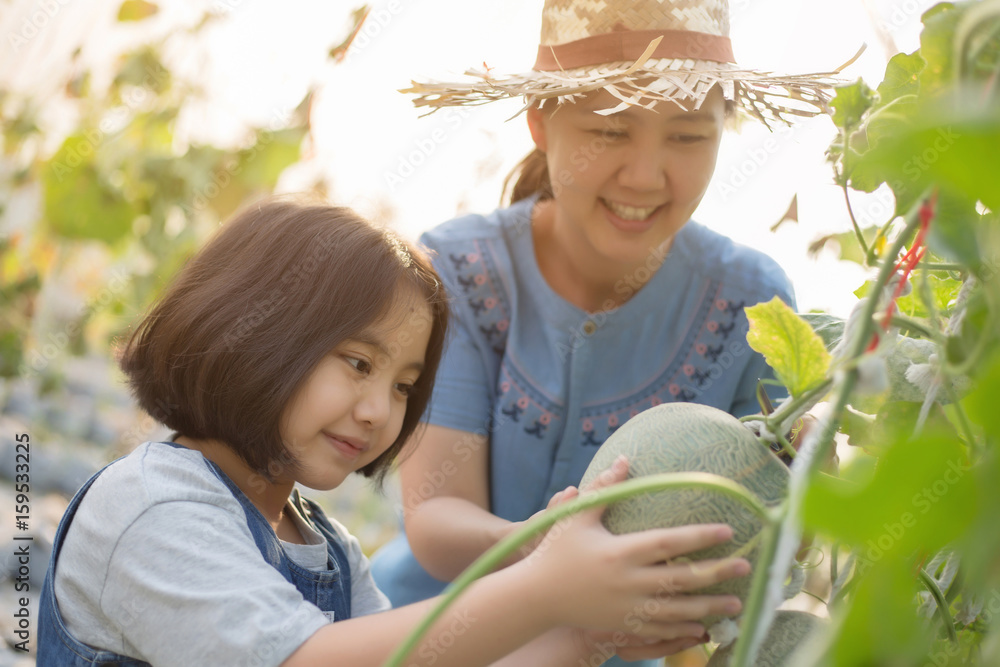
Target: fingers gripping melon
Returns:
[687, 437]
[788, 632]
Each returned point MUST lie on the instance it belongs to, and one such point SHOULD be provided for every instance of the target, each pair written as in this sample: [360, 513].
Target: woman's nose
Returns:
[644, 168]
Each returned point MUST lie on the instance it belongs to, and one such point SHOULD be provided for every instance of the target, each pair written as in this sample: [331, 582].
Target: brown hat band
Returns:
[627, 45]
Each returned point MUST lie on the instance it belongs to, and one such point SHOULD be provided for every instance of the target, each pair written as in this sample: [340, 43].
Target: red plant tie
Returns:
[907, 263]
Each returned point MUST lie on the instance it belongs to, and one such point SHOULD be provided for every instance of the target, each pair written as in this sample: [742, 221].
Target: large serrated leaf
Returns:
[789, 345]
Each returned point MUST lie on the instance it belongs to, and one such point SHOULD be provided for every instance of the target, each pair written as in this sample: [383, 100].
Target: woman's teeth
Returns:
[629, 212]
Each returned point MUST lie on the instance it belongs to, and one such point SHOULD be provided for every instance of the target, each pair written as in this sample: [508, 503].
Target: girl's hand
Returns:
[602, 645]
[593, 579]
[525, 549]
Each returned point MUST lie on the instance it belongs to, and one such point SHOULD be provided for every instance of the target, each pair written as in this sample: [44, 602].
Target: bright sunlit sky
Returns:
[262, 56]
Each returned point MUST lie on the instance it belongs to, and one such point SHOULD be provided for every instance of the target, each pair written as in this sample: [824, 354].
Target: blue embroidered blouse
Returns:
[549, 382]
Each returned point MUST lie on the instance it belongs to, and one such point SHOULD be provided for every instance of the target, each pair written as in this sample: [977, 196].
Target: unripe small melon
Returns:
[687, 437]
[788, 632]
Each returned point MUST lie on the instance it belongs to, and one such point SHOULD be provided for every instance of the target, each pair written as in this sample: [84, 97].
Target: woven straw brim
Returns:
[764, 96]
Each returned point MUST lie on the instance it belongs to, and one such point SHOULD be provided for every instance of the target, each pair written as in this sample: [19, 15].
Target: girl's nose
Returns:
[644, 168]
[373, 406]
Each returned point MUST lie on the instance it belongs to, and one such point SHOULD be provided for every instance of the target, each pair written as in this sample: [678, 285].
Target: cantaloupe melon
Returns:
[788, 632]
[687, 437]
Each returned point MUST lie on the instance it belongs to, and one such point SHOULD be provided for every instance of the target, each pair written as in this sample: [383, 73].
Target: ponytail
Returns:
[530, 176]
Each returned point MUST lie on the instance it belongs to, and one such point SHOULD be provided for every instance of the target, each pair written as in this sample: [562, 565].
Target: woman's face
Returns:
[625, 183]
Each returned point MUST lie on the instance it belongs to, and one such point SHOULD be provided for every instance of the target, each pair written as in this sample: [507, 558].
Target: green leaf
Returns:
[880, 625]
[921, 497]
[829, 327]
[847, 244]
[145, 69]
[954, 231]
[79, 203]
[902, 77]
[937, 46]
[789, 345]
[136, 10]
[850, 103]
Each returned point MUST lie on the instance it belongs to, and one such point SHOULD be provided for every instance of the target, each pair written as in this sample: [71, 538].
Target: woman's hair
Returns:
[531, 174]
[247, 319]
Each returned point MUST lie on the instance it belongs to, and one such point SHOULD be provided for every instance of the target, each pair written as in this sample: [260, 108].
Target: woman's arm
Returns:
[446, 500]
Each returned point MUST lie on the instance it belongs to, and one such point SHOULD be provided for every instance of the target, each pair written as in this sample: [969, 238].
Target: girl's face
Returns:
[624, 184]
[350, 409]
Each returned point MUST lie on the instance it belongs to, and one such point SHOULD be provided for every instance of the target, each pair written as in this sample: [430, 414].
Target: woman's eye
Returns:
[688, 138]
[405, 388]
[360, 365]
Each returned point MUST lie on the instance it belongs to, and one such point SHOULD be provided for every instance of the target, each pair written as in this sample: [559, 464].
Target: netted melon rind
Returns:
[687, 437]
[789, 630]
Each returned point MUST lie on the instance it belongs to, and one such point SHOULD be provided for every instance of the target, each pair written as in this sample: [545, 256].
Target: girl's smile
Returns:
[351, 448]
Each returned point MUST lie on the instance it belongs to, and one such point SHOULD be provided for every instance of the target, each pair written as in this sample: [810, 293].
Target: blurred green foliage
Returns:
[918, 509]
[119, 185]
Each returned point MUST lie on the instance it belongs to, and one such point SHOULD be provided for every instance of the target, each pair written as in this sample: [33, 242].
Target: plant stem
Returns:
[929, 266]
[490, 560]
[942, 605]
[904, 322]
[810, 459]
[850, 212]
[834, 556]
[813, 595]
[970, 363]
[792, 409]
[963, 420]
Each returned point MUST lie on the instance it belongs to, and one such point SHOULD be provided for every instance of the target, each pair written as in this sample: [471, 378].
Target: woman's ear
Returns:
[536, 125]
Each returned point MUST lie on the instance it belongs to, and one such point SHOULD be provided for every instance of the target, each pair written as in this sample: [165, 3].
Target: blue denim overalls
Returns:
[329, 590]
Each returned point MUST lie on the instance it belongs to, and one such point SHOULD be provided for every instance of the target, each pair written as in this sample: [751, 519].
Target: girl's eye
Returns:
[360, 365]
[405, 388]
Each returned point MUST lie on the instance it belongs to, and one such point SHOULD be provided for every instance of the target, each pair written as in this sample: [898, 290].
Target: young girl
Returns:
[592, 296]
[301, 346]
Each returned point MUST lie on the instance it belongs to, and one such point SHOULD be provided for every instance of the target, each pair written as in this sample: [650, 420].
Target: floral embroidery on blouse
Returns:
[482, 291]
[684, 379]
[519, 403]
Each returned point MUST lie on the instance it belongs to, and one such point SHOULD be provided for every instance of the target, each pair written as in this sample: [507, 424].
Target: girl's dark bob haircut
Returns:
[248, 318]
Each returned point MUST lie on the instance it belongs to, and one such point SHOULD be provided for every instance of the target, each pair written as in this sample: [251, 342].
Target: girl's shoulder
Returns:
[155, 473]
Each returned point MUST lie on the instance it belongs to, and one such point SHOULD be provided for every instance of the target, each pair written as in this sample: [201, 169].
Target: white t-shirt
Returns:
[159, 564]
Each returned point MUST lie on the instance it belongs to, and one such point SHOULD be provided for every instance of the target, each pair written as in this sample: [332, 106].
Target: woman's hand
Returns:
[627, 583]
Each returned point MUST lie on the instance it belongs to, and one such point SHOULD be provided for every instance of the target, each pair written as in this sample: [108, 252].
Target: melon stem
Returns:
[497, 554]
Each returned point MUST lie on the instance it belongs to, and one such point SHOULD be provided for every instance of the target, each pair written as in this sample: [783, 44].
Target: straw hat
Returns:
[642, 52]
